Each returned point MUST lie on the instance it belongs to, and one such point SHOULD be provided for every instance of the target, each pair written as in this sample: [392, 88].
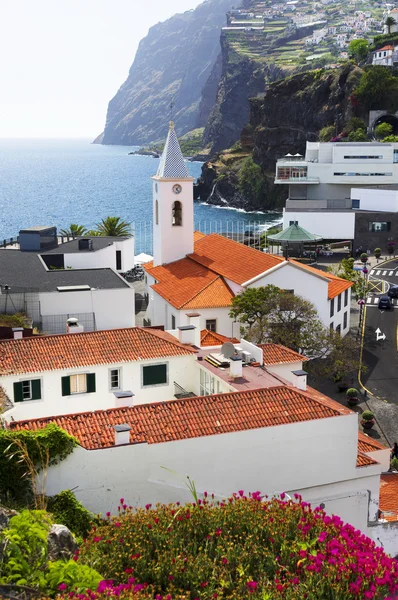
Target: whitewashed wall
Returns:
[104, 258]
[113, 308]
[328, 224]
[285, 370]
[376, 199]
[297, 457]
[386, 535]
[181, 369]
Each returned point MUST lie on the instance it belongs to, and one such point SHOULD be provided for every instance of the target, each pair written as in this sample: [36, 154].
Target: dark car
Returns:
[385, 302]
[393, 291]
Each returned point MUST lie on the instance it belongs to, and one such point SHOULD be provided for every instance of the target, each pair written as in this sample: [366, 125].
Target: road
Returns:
[380, 351]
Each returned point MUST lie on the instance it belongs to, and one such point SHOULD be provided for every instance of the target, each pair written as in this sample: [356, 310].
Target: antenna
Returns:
[228, 350]
[171, 109]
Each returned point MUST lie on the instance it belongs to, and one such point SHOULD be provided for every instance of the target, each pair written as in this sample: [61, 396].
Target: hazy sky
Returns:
[63, 60]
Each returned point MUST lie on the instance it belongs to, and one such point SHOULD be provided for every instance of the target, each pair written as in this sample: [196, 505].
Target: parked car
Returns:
[393, 291]
[385, 302]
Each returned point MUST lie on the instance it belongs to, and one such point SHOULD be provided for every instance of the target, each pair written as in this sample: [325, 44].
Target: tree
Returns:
[113, 227]
[358, 50]
[345, 270]
[389, 139]
[378, 88]
[354, 124]
[357, 136]
[268, 314]
[327, 133]
[389, 22]
[383, 130]
[251, 181]
[74, 230]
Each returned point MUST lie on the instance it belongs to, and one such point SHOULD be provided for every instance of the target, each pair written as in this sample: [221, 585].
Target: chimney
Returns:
[235, 366]
[122, 434]
[300, 380]
[17, 333]
[73, 326]
[194, 319]
[186, 334]
[123, 399]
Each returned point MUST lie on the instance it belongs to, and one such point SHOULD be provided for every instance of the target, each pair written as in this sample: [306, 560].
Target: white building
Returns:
[193, 272]
[54, 375]
[386, 56]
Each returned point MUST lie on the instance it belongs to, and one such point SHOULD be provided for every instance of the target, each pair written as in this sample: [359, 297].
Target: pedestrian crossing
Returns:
[375, 300]
[377, 272]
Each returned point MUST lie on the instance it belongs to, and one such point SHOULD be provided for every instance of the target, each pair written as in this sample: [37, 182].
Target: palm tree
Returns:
[93, 233]
[389, 22]
[74, 230]
[113, 227]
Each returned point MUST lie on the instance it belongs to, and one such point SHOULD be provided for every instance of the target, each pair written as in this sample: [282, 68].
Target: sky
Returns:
[63, 60]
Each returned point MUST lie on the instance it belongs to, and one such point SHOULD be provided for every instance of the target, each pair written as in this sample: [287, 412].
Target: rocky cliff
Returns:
[291, 112]
[173, 62]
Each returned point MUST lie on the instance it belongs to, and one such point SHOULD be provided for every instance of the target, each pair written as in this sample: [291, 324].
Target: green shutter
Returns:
[18, 395]
[154, 374]
[36, 389]
[65, 381]
[90, 382]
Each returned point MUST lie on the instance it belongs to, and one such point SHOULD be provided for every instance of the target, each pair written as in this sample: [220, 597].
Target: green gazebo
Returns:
[293, 238]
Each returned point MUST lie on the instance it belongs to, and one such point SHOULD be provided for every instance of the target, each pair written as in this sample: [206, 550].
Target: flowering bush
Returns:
[244, 547]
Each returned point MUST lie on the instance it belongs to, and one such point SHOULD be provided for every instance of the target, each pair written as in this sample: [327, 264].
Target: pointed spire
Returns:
[172, 164]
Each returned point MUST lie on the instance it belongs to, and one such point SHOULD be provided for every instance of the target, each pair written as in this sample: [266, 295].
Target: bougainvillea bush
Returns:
[245, 547]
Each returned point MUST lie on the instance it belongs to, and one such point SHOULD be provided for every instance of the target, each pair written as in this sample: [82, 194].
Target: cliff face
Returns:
[291, 112]
[173, 62]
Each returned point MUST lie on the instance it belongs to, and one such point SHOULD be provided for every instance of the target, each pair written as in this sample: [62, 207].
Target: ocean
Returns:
[59, 182]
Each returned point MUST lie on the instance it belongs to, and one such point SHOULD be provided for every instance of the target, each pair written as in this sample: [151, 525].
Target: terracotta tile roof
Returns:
[275, 354]
[385, 48]
[53, 352]
[187, 284]
[365, 461]
[368, 444]
[211, 338]
[388, 501]
[198, 235]
[194, 417]
[232, 260]
[336, 286]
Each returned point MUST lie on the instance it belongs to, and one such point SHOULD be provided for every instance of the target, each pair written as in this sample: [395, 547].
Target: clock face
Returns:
[177, 189]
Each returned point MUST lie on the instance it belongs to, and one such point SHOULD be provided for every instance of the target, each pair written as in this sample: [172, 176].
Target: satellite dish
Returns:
[228, 349]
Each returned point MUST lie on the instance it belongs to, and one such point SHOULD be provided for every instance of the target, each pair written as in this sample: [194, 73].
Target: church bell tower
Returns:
[173, 222]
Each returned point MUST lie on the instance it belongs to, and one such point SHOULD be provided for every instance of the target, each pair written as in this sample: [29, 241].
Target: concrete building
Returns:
[193, 272]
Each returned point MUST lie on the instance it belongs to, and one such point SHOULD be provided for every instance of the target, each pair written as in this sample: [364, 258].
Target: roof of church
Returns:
[172, 164]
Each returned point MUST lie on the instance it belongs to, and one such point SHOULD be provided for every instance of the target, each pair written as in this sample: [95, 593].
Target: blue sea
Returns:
[59, 182]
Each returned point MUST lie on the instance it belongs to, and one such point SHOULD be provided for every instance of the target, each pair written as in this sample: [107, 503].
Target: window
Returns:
[211, 325]
[118, 260]
[355, 204]
[293, 223]
[157, 212]
[29, 389]
[363, 174]
[379, 226]
[331, 327]
[154, 375]
[332, 307]
[339, 303]
[114, 379]
[207, 383]
[345, 320]
[173, 322]
[82, 383]
[346, 298]
[338, 329]
[177, 214]
[375, 157]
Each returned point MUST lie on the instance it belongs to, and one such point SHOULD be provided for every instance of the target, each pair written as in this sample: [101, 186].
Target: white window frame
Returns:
[78, 378]
[29, 382]
[155, 385]
[207, 320]
[119, 376]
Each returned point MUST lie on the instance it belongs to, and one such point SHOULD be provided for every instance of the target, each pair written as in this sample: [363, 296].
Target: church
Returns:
[196, 276]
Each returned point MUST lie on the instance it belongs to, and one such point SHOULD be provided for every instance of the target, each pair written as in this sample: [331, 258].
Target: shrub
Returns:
[367, 415]
[251, 181]
[327, 133]
[383, 130]
[359, 135]
[240, 548]
[377, 252]
[67, 510]
[354, 124]
[394, 464]
[352, 393]
[72, 575]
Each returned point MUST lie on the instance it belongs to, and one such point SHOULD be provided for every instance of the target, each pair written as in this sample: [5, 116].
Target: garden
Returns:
[246, 546]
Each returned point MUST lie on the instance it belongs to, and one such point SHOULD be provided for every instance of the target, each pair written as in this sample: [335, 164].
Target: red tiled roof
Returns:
[368, 444]
[232, 260]
[194, 417]
[211, 338]
[385, 48]
[365, 461]
[275, 354]
[187, 284]
[388, 502]
[52, 352]
[336, 286]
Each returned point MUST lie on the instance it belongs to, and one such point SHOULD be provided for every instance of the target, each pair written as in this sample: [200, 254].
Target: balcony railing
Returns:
[180, 392]
[301, 179]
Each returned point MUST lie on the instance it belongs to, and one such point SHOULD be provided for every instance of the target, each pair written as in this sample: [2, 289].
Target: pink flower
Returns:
[118, 524]
[218, 532]
[252, 586]
[62, 587]
[121, 500]
[108, 514]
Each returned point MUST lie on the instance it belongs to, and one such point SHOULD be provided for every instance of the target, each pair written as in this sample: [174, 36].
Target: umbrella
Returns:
[298, 154]
[142, 258]
[288, 154]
